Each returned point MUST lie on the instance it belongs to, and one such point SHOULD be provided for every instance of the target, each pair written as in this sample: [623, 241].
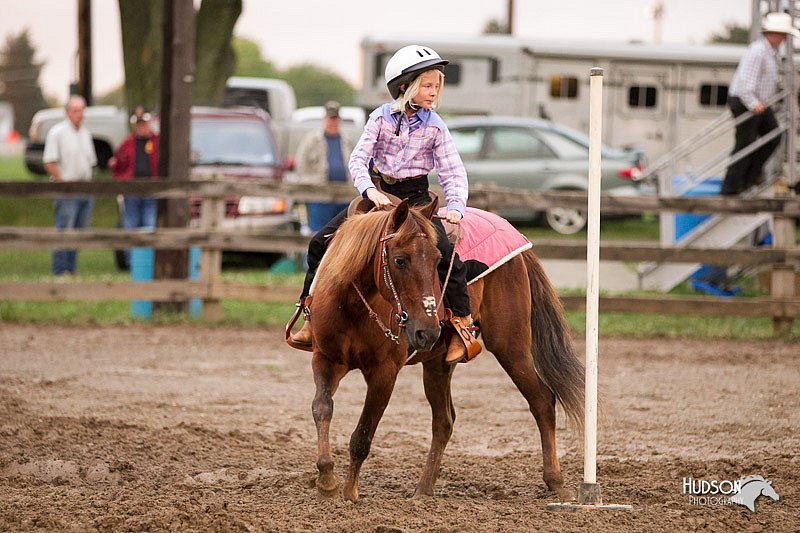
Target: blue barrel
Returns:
[709, 279]
[686, 222]
[142, 267]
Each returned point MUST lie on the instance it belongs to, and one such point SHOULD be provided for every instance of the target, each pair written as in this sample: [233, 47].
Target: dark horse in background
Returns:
[385, 261]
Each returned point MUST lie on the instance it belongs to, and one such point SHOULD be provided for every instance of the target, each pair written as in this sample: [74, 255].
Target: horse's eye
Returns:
[400, 262]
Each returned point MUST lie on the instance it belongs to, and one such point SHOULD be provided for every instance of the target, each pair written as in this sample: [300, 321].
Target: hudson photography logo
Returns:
[716, 492]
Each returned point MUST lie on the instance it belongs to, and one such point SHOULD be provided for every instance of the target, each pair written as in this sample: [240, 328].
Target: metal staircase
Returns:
[721, 231]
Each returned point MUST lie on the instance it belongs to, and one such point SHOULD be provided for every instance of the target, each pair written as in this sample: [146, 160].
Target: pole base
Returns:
[588, 499]
[574, 507]
[589, 494]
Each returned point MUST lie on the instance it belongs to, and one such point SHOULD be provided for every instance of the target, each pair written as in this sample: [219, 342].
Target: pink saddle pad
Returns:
[487, 238]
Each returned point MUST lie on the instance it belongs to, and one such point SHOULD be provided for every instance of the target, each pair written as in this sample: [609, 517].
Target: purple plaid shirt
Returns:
[424, 143]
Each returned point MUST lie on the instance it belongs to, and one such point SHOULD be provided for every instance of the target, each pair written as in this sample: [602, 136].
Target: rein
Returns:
[400, 315]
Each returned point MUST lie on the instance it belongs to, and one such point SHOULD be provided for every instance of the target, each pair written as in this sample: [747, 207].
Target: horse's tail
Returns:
[553, 353]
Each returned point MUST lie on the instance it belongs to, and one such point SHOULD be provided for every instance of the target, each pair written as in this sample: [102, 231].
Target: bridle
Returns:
[382, 273]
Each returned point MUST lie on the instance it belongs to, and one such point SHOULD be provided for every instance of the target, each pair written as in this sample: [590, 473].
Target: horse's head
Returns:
[394, 253]
[769, 491]
[406, 272]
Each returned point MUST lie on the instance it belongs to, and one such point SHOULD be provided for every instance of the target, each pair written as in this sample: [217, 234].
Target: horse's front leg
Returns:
[326, 377]
[436, 378]
[380, 384]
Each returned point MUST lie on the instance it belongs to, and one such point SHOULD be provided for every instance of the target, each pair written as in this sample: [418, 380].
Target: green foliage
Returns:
[612, 228]
[732, 34]
[215, 59]
[19, 79]
[141, 23]
[12, 168]
[115, 97]
[646, 326]
[249, 61]
[314, 85]
[494, 26]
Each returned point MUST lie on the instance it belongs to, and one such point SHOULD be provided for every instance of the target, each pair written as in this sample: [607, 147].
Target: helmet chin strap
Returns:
[411, 105]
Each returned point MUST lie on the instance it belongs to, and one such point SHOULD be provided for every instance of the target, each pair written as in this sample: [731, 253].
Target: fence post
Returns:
[782, 281]
[211, 214]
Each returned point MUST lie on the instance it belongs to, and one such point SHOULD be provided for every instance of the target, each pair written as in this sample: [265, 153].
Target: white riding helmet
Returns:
[407, 63]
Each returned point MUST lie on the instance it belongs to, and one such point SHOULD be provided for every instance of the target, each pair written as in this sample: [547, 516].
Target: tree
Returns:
[732, 34]
[142, 48]
[19, 79]
[249, 61]
[495, 26]
[214, 56]
[315, 85]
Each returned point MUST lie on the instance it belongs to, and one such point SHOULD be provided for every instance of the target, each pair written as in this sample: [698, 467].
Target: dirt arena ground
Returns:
[190, 429]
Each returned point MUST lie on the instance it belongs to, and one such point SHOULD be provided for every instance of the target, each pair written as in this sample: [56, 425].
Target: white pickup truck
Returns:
[291, 124]
[108, 125]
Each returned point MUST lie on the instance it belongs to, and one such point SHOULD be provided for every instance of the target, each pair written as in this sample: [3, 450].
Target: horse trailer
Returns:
[655, 94]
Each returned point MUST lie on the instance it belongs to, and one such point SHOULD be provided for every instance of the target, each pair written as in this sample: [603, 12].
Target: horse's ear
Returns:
[431, 209]
[399, 215]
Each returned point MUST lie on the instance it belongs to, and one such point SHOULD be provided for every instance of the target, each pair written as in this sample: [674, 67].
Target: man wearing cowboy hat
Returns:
[754, 83]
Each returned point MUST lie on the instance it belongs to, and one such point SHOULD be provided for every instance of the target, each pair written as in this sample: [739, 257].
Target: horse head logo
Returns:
[751, 487]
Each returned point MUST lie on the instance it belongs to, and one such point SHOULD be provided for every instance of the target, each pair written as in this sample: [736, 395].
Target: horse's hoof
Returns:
[350, 494]
[564, 494]
[422, 493]
[328, 487]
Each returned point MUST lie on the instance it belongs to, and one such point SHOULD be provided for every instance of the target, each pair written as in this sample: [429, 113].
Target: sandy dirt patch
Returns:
[183, 428]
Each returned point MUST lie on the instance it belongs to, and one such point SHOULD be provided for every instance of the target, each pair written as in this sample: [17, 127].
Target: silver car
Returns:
[537, 154]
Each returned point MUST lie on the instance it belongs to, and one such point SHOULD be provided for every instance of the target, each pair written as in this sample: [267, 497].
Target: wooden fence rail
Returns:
[784, 257]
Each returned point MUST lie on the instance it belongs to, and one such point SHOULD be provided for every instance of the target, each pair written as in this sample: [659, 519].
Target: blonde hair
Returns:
[403, 101]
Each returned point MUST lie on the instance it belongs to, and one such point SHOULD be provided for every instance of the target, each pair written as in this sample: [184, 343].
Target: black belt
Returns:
[413, 189]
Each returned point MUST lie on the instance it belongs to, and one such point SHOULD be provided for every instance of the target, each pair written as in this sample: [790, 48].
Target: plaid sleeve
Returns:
[451, 172]
[750, 74]
[362, 153]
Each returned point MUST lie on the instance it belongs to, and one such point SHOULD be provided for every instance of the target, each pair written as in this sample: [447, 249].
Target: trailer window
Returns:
[712, 95]
[642, 96]
[563, 86]
[452, 74]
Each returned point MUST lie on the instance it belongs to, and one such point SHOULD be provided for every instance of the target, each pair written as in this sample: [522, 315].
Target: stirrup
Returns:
[467, 334]
[301, 307]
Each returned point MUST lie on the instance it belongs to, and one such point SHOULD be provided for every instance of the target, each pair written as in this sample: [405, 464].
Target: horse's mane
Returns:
[355, 244]
[749, 479]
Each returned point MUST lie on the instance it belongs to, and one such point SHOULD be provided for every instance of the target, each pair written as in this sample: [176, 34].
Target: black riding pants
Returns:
[746, 172]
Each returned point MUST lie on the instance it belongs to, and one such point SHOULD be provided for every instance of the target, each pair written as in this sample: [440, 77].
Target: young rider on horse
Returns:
[402, 142]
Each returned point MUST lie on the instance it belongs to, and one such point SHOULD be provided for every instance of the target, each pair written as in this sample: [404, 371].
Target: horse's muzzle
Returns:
[423, 339]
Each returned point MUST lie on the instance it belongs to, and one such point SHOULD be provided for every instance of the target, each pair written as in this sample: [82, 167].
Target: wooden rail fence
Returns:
[783, 258]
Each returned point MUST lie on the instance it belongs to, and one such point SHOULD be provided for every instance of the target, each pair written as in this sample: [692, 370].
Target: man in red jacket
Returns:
[137, 159]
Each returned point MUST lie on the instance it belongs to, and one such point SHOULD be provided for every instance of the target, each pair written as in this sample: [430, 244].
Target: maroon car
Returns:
[239, 143]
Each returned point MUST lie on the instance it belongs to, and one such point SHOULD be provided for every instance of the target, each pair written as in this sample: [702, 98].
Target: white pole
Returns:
[593, 275]
[589, 496]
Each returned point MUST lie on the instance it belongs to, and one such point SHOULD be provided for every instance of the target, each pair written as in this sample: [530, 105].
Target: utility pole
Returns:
[177, 77]
[510, 16]
[85, 50]
[657, 14]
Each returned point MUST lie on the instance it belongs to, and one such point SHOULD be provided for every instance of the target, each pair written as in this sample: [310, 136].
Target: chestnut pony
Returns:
[376, 300]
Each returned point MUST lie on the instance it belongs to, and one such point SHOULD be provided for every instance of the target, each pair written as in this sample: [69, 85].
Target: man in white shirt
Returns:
[754, 83]
[69, 156]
